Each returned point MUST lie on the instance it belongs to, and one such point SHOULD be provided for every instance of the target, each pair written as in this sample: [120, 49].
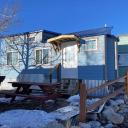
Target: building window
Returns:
[45, 56]
[42, 56]
[90, 45]
[122, 59]
[12, 58]
[31, 39]
[38, 56]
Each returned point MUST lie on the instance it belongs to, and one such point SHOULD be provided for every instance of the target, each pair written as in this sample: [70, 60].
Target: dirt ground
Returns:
[34, 104]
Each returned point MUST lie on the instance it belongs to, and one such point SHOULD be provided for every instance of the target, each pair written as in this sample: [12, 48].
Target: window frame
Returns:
[48, 55]
[12, 51]
[35, 56]
[96, 40]
[42, 55]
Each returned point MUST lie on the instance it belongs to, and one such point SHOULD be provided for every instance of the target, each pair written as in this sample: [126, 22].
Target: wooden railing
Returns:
[84, 93]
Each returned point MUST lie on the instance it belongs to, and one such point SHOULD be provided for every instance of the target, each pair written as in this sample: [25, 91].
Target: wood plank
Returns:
[126, 84]
[91, 90]
[104, 99]
[83, 96]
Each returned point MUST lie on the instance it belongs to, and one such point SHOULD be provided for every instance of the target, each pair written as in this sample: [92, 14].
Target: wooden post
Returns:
[50, 75]
[83, 97]
[126, 84]
[58, 68]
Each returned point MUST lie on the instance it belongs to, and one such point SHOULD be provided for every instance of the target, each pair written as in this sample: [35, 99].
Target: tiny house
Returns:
[122, 54]
[88, 55]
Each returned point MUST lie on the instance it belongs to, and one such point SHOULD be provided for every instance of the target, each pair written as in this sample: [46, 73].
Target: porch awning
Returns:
[57, 41]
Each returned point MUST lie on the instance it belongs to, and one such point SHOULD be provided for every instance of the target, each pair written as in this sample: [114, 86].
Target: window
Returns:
[12, 58]
[31, 39]
[38, 56]
[45, 56]
[42, 56]
[90, 44]
[122, 59]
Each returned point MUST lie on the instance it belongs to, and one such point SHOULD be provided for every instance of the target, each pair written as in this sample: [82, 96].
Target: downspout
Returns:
[105, 58]
[116, 59]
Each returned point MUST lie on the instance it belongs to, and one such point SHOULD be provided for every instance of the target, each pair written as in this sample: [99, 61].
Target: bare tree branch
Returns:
[8, 16]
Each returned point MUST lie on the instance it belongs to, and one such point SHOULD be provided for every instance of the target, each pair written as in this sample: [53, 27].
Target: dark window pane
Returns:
[45, 56]
[38, 56]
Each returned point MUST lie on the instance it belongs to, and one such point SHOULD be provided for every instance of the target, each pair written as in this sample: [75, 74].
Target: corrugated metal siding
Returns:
[95, 83]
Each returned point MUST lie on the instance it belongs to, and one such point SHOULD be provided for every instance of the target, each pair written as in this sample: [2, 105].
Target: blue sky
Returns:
[71, 15]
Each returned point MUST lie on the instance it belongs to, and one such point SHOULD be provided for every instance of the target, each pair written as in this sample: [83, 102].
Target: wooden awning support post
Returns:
[83, 98]
[126, 84]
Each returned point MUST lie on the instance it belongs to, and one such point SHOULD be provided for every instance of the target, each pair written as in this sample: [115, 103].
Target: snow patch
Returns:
[25, 119]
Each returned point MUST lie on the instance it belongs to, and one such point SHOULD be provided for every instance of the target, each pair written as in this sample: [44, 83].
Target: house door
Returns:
[69, 62]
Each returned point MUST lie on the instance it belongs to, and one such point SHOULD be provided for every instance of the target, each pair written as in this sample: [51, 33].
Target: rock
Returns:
[123, 111]
[90, 124]
[75, 127]
[109, 126]
[95, 124]
[112, 103]
[85, 125]
[116, 108]
[120, 101]
[110, 115]
[126, 99]
[54, 125]
[92, 116]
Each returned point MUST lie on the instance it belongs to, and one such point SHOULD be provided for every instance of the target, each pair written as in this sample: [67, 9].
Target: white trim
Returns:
[95, 39]
[35, 56]
[42, 56]
[12, 51]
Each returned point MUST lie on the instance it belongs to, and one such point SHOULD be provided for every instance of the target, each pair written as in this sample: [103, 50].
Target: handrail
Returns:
[84, 92]
[104, 99]
[104, 85]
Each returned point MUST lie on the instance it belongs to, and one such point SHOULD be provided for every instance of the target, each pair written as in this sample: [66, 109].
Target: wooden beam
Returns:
[83, 97]
[126, 83]
[104, 85]
[104, 99]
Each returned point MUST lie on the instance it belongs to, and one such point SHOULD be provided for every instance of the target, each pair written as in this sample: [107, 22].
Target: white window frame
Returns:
[48, 55]
[42, 63]
[90, 40]
[12, 51]
[41, 56]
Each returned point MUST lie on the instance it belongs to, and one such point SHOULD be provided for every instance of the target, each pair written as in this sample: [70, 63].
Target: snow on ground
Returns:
[37, 118]
[25, 119]
[4, 100]
[7, 100]
[74, 100]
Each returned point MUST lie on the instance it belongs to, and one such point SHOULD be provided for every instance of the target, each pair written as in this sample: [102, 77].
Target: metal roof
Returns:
[93, 32]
